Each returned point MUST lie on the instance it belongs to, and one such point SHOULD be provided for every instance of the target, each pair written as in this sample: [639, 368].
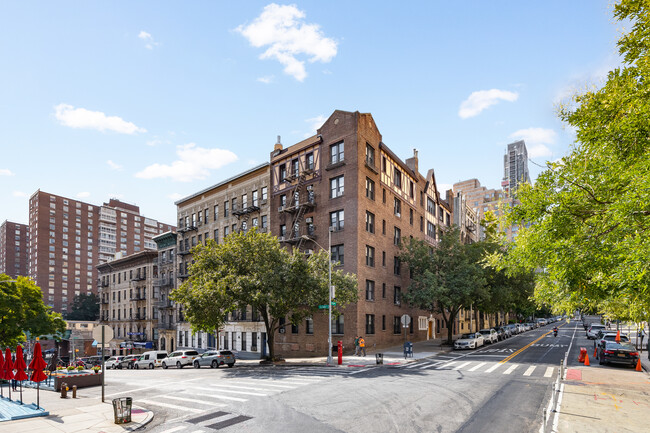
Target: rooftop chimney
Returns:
[278, 145]
[412, 163]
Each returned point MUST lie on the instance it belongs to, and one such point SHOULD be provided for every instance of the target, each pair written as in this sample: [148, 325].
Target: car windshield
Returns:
[470, 336]
[612, 345]
[484, 331]
[191, 352]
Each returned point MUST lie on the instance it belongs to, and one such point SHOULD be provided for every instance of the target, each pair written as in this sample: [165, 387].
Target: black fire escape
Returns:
[302, 201]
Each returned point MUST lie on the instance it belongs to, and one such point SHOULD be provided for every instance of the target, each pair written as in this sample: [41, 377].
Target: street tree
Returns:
[84, 307]
[22, 310]
[585, 223]
[445, 278]
[253, 269]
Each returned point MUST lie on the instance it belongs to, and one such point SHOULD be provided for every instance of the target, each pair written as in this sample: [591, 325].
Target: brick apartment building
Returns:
[163, 286]
[346, 178]
[234, 205]
[14, 249]
[69, 238]
[128, 301]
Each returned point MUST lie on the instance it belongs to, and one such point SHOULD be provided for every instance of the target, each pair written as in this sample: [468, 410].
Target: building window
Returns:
[396, 266]
[294, 329]
[370, 256]
[397, 296]
[397, 208]
[216, 236]
[421, 224]
[370, 155]
[383, 323]
[309, 325]
[397, 325]
[383, 227]
[383, 290]
[283, 230]
[309, 161]
[295, 167]
[431, 207]
[255, 199]
[383, 164]
[411, 216]
[383, 259]
[370, 222]
[336, 186]
[370, 290]
[336, 153]
[337, 220]
[370, 324]
[226, 205]
[338, 325]
[398, 236]
[264, 221]
[337, 254]
[264, 193]
[226, 232]
[411, 189]
[216, 211]
[383, 195]
[244, 201]
[283, 200]
[370, 189]
[283, 172]
[397, 177]
[431, 230]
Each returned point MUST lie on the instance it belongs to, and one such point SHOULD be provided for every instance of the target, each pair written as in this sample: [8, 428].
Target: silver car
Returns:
[180, 358]
[215, 358]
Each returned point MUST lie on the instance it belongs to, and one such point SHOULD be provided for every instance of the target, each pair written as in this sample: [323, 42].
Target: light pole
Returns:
[329, 289]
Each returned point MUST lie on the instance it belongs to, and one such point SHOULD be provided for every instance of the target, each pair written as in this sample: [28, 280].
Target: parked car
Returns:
[542, 322]
[512, 328]
[470, 340]
[127, 361]
[618, 353]
[502, 333]
[532, 325]
[112, 362]
[601, 337]
[489, 335]
[592, 332]
[180, 358]
[151, 359]
[215, 358]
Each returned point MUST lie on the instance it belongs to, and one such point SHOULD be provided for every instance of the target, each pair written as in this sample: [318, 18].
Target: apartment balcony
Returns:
[183, 252]
[138, 297]
[166, 304]
[104, 301]
[166, 326]
[241, 210]
[308, 203]
[183, 276]
[139, 278]
[138, 317]
[103, 284]
[163, 282]
[187, 229]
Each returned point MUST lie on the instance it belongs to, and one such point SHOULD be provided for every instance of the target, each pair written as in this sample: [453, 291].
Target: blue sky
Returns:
[151, 101]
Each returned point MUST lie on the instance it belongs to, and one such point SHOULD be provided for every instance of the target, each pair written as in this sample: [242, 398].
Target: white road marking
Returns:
[265, 384]
[549, 372]
[461, 366]
[192, 400]
[511, 369]
[476, 367]
[491, 369]
[175, 429]
[222, 397]
[428, 364]
[171, 406]
[446, 365]
[530, 370]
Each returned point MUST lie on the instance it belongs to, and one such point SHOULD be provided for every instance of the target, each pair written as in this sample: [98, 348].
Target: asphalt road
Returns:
[500, 387]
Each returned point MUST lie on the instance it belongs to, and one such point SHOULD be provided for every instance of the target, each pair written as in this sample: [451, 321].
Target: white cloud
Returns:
[266, 80]
[483, 99]
[283, 29]
[193, 163]
[114, 166]
[156, 141]
[536, 140]
[67, 115]
[83, 194]
[443, 187]
[6, 172]
[149, 42]
[20, 194]
[175, 196]
[314, 124]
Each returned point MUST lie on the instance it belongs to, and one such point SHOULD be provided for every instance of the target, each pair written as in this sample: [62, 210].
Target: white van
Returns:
[150, 359]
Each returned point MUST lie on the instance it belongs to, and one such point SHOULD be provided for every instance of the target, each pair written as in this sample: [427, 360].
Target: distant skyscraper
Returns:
[14, 248]
[515, 166]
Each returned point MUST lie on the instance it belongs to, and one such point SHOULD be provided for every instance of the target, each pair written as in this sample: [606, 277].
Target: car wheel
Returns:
[150, 366]
[178, 364]
[113, 366]
[231, 365]
[137, 367]
[119, 366]
[196, 364]
[164, 366]
[214, 364]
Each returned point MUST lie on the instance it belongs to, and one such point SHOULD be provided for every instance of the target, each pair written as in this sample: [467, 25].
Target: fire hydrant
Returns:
[340, 352]
[64, 390]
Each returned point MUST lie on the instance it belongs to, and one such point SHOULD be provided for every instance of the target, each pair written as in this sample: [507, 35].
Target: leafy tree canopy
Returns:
[253, 269]
[584, 224]
[22, 310]
[84, 307]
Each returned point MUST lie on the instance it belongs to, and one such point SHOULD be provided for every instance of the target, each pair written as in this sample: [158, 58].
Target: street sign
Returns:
[324, 307]
[108, 333]
[406, 320]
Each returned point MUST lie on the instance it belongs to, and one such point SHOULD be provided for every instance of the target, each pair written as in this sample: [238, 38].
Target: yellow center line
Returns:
[526, 347]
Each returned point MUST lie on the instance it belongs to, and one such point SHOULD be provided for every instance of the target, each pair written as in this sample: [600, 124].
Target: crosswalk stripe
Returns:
[231, 391]
[549, 372]
[511, 369]
[223, 385]
[170, 406]
[175, 429]
[223, 397]
[266, 384]
[428, 364]
[530, 370]
[192, 400]
[476, 367]
[446, 365]
[491, 369]
[461, 366]
[413, 365]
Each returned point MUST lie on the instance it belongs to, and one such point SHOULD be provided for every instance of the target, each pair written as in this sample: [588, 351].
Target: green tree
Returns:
[585, 223]
[445, 278]
[253, 269]
[22, 310]
[84, 307]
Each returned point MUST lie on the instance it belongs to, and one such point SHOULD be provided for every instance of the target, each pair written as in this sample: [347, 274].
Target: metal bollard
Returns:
[74, 391]
[64, 390]
[562, 369]
[544, 422]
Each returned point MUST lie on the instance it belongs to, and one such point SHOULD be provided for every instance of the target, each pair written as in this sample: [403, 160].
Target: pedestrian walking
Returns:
[641, 335]
[356, 346]
[362, 346]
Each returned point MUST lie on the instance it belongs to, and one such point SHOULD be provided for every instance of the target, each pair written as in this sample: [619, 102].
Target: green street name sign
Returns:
[324, 307]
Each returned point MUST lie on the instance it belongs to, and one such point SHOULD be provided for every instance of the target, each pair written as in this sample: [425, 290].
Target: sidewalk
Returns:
[74, 415]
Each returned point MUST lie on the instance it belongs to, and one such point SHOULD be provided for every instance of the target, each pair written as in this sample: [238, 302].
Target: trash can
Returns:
[408, 349]
[122, 409]
[379, 357]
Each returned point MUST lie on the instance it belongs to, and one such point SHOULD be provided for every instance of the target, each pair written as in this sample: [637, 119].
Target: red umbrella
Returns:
[37, 366]
[2, 372]
[9, 368]
[20, 367]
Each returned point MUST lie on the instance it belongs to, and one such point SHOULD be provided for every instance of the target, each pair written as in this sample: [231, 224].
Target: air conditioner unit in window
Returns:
[309, 252]
[281, 208]
[309, 220]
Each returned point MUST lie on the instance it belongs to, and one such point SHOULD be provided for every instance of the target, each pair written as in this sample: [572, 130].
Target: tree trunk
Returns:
[449, 321]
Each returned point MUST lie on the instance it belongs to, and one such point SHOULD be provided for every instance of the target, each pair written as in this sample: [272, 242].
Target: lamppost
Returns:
[329, 289]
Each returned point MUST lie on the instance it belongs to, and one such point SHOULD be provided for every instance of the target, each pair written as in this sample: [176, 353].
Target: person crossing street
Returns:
[362, 346]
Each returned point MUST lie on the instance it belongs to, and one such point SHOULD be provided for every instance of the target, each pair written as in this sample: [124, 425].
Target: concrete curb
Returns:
[143, 423]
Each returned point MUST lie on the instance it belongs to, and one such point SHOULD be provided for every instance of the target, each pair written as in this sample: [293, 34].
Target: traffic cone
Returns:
[638, 365]
[595, 353]
[586, 360]
[618, 336]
